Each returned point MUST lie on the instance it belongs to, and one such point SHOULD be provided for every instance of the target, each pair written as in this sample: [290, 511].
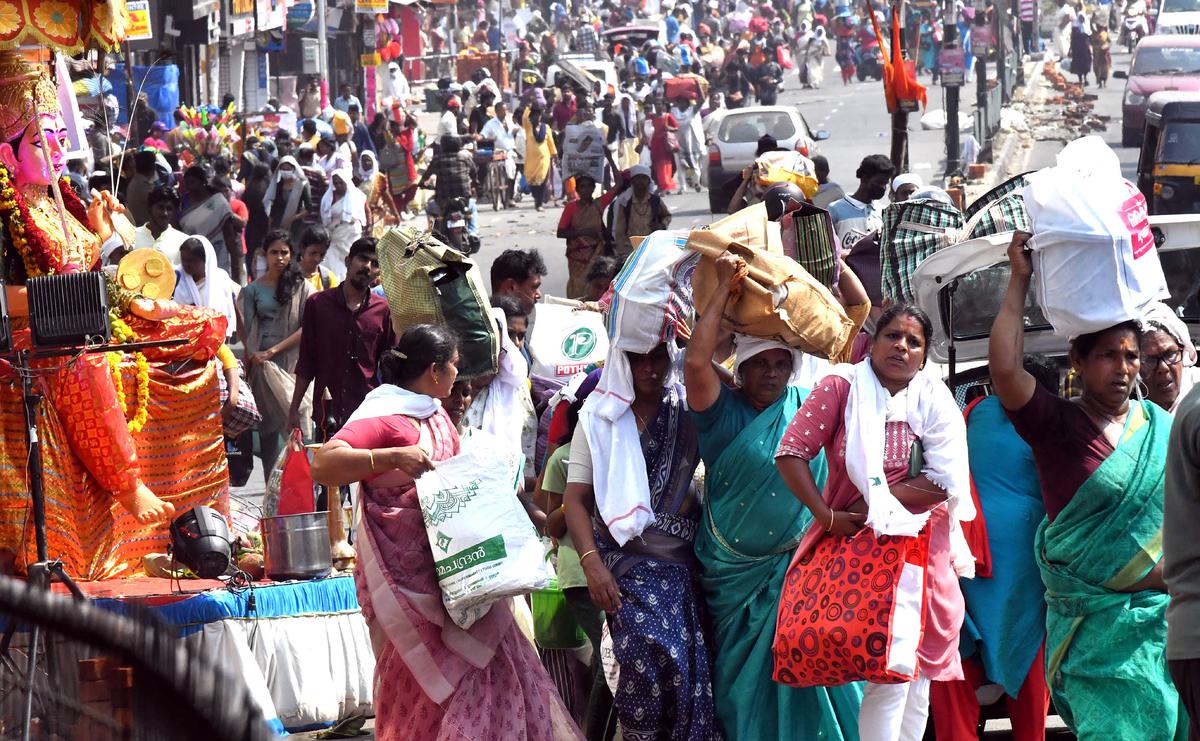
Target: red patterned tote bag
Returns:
[853, 608]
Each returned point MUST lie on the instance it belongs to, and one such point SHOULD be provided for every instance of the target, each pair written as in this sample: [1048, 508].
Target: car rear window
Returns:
[745, 128]
[1148, 60]
[1180, 6]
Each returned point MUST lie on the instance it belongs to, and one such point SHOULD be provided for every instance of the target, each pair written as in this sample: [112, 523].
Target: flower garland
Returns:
[136, 424]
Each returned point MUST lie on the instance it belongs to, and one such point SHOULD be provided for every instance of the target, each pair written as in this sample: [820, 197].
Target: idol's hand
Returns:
[154, 310]
[99, 213]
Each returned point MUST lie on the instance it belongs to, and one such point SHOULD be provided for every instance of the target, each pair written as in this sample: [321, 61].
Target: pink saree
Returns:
[434, 680]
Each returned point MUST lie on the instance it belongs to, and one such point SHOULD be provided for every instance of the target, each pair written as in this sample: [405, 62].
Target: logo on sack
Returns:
[579, 344]
[447, 502]
[443, 541]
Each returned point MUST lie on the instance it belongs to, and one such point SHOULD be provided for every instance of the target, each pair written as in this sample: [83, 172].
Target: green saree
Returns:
[750, 529]
[1105, 649]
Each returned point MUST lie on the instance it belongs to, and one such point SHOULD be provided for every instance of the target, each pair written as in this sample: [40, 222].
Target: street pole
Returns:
[950, 40]
[1001, 62]
[899, 153]
[323, 52]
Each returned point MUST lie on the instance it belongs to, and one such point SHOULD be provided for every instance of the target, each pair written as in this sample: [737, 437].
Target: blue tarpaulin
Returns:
[161, 87]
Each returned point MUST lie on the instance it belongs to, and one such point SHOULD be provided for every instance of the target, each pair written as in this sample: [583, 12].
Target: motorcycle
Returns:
[450, 226]
[1134, 25]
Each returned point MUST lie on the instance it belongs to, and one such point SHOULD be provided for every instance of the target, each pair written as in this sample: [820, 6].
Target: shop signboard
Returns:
[370, 6]
[271, 14]
[139, 20]
[299, 15]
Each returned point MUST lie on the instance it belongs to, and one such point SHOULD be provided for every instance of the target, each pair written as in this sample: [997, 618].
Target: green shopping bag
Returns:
[554, 625]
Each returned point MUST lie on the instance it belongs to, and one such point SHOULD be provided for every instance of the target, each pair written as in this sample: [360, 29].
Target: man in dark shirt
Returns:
[456, 176]
[345, 331]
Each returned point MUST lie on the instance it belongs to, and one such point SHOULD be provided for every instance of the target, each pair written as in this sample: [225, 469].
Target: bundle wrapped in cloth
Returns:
[1095, 263]
[779, 300]
[426, 282]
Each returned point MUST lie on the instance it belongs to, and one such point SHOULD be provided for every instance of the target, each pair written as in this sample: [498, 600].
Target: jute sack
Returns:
[426, 282]
[779, 300]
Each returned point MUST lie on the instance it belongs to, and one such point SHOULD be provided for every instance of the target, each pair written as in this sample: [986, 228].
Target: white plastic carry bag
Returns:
[566, 340]
[484, 546]
[1094, 259]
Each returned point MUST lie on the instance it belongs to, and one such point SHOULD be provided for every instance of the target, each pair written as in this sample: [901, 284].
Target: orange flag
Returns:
[899, 75]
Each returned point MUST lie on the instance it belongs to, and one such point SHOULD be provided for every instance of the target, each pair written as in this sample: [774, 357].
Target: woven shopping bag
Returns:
[852, 609]
[808, 238]
[426, 282]
[1003, 207]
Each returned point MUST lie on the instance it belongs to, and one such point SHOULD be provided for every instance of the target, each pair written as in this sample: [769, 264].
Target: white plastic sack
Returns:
[484, 546]
[1094, 260]
[652, 294]
[565, 341]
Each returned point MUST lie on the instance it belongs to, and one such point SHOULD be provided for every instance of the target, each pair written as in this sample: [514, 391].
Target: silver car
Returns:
[733, 139]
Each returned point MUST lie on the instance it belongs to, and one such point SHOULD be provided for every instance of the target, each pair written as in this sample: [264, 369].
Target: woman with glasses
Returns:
[1167, 350]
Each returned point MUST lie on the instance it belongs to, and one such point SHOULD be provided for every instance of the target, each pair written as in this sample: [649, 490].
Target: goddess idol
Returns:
[102, 510]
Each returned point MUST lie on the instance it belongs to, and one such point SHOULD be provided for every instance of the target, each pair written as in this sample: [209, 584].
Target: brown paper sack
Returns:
[779, 300]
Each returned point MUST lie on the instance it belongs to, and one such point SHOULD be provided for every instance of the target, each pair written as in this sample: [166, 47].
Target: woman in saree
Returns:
[751, 527]
[288, 198]
[434, 680]
[1100, 459]
[1101, 51]
[539, 154]
[343, 214]
[207, 213]
[381, 209]
[868, 418]
[1168, 357]
[272, 311]
[664, 144]
[631, 509]
[1081, 47]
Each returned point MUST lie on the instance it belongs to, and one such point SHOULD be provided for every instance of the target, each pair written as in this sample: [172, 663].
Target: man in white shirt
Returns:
[157, 233]
[499, 130]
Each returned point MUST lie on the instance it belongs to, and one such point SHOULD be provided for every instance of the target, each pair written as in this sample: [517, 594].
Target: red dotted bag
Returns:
[852, 609]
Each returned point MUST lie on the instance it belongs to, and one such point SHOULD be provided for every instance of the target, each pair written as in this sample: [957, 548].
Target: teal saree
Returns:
[751, 526]
[1105, 649]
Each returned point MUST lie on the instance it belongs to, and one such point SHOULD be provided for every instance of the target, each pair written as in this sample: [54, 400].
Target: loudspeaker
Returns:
[68, 310]
[200, 541]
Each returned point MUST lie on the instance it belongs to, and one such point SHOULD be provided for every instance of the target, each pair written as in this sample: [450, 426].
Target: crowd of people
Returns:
[1048, 560]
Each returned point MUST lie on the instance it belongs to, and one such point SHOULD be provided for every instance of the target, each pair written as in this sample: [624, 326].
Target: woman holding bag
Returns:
[868, 418]
[664, 144]
[438, 680]
[751, 526]
[272, 312]
[1101, 460]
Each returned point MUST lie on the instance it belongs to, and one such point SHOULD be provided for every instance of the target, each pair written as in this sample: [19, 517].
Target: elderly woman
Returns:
[631, 509]
[344, 215]
[1100, 459]
[875, 420]
[1167, 355]
[442, 681]
[752, 526]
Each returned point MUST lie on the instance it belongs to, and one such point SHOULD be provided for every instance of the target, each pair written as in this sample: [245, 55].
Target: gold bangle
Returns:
[831, 516]
[586, 555]
[371, 457]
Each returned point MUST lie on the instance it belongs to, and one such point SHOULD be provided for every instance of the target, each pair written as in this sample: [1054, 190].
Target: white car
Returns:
[733, 139]
[1178, 17]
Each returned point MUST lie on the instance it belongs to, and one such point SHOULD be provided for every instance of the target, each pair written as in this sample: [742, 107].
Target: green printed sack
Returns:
[484, 546]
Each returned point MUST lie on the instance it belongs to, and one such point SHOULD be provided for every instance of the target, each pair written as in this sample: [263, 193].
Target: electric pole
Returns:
[323, 52]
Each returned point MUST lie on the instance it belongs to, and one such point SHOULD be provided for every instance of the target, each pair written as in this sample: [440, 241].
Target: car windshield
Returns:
[746, 128]
[977, 299]
[1179, 143]
[1180, 6]
[1166, 61]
